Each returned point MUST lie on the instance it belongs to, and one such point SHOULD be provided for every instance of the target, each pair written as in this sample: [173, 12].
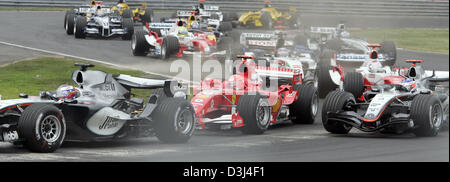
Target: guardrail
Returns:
[436, 8]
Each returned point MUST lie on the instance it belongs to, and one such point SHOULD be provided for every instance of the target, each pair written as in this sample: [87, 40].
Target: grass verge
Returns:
[41, 74]
[417, 39]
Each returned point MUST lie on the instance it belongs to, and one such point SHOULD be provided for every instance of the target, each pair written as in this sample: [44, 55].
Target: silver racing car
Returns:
[415, 101]
[100, 108]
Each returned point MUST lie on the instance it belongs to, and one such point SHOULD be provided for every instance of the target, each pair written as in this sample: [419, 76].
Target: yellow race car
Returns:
[142, 14]
[270, 17]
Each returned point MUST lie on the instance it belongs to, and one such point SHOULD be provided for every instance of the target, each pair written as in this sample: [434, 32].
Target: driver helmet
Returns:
[180, 23]
[99, 11]
[182, 31]
[67, 93]
[195, 25]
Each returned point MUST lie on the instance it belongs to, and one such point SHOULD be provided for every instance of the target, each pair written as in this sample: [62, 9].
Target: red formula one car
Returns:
[244, 101]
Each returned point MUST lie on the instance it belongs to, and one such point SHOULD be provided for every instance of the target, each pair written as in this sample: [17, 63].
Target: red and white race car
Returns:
[331, 75]
[244, 101]
[168, 39]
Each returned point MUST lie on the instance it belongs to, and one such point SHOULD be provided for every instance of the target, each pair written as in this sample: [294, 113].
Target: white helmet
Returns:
[67, 93]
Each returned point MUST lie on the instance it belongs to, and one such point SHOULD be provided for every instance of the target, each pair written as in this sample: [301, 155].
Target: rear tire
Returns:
[129, 25]
[306, 107]
[334, 44]
[225, 27]
[427, 114]
[325, 83]
[249, 105]
[336, 101]
[301, 40]
[139, 44]
[389, 51]
[80, 24]
[267, 21]
[174, 120]
[148, 16]
[42, 127]
[161, 94]
[354, 84]
[127, 14]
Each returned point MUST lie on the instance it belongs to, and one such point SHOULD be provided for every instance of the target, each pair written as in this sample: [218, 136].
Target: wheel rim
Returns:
[436, 115]
[50, 128]
[263, 113]
[66, 26]
[185, 122]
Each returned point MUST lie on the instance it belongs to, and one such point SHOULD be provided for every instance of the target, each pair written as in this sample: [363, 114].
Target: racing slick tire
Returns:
[225, 44]
[225, 27]
[66, 15]
[354, 84]
[161, 94]
[80, 24]
[169, 46]
[267, 21]
[127, 14]
[389, 50]
[325, 83]
[301, 40]
[294, 21]
[69, 23]
[256, 112]
[174, 120]
[306, 107]
[336, 101]
[427, 114]
[334, 44]
[42, 127]
[139, 44]
[129, 25]
[148, 16]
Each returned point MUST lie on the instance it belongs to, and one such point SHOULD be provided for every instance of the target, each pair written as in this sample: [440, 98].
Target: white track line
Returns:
[91, 60]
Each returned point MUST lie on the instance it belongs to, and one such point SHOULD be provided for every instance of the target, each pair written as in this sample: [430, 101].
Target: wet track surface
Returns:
[283, 142]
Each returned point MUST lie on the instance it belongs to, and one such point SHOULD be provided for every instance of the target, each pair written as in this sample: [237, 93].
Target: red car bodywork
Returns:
[214, 98]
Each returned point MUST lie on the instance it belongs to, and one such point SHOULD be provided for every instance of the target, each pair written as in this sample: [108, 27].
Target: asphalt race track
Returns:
[283, 142]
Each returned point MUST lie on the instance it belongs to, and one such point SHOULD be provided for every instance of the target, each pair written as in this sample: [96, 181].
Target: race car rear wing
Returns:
[187, 14]
[262, 41]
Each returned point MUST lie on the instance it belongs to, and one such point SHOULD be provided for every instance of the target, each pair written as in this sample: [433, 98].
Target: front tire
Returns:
[174, 120]
[70, 23]
[354, 84]
[80, 24]
[129, 25]
[170, 46]
[325, 83]
[334, 102]
[256, 112]
[139, 44]
[427, 114]
[306, 107]
[42, 127]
